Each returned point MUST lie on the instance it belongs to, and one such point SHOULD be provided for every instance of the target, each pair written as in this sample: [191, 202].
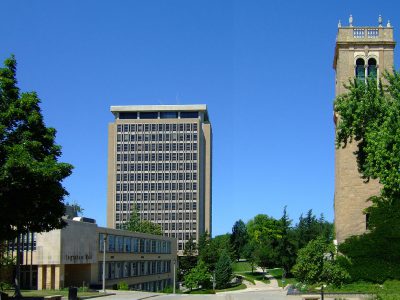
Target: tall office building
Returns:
[360, 52]
[159, 163]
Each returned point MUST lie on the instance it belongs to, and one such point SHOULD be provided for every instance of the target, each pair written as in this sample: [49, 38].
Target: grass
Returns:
[200, 291]
[252, 276]
[277, 273]
[242, 266]
[43, 293]
[389, 290]
[237, 287]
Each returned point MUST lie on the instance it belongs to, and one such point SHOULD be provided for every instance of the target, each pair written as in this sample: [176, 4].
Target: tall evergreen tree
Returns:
[31, 193]
[286, 248]
[223, 270]
[239, 238]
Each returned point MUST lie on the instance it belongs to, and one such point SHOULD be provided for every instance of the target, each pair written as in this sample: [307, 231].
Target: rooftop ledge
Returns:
[148, 108]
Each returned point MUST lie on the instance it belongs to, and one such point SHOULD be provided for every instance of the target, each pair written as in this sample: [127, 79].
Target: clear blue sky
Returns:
[264, 68]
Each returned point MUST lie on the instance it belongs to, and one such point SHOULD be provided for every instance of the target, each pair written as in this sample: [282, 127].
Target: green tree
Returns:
[207, 251]
[188, 260]
[369, 115]
[238, 238]
[264, 233]
[223, 270]
[144, 226]
[315, 264]
[31, 193]
[286, 249]
[249, 251]
[309, 228]
[198, 276]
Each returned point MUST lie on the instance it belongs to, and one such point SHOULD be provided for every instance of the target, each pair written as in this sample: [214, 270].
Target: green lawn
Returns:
[249, 276]
[277, 273]
[242, 266]
[389, 290]
[43, 293]
[241, 286]
[209, 291]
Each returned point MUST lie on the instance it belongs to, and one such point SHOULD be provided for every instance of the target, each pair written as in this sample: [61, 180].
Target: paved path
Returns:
[257, 291]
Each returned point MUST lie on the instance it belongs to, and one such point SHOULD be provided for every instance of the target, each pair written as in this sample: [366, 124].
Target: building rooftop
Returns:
[140, 108]
[160, 108]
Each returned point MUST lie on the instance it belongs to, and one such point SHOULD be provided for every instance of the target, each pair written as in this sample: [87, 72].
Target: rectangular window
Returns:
[135, 245]
[111, 243]
[189, 114]
[141, 246]
[127, 244]
[101, 242]
[168, 115]
[127, 115]
[149, 115]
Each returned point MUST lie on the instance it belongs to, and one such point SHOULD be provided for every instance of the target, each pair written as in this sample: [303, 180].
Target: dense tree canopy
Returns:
[370, 116]
[31, 193]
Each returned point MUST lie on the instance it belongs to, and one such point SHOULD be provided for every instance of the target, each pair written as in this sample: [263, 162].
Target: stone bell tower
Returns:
[360, 52]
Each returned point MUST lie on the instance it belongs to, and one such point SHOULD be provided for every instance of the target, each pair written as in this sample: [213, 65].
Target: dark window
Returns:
[189, 114]
[128, 115]
[148, 115]
[168, 115]
[367, 225]
[360, 69]
[372, 70]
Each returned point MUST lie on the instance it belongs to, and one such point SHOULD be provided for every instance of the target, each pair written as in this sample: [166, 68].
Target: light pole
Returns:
[104, 262]
[174, 287]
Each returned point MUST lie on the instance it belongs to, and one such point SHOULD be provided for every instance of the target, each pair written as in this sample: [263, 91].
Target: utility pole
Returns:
[104, 262]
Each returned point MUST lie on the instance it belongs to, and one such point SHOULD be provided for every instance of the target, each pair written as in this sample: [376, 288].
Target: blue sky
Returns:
[264, 68]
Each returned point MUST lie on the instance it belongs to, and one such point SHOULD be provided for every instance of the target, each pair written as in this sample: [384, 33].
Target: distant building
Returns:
[360, 52]
[159, 163]
[73, 256]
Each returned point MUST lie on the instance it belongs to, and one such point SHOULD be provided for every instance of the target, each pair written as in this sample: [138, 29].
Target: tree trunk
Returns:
[17, 293]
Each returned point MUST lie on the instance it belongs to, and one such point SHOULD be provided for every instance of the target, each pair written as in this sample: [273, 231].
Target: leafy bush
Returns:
[123, 286]
[5, 286]
[372, 257]
[315, 264]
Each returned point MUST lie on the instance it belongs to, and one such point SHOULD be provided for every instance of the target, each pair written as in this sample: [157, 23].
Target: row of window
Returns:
[156, 206]
[166, 137]
[139, 167]
[152, 286]
[159, 115]
[156, 127]
[160, 186]
[116, 243]
[27, 242]
[156, 157]
[187, 216]
[156, 176]
[125, 269]
[189, 227]
[188, 146]
[155, 196]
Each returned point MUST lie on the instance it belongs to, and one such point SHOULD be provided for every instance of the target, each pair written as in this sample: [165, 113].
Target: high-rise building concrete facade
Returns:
[159, 164]
[360, 52]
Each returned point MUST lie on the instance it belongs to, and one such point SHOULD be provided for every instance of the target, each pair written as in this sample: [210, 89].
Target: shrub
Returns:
[123, 286]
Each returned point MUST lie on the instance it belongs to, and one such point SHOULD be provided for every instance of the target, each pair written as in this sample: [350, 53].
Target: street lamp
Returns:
[104, 262]
[174, 287]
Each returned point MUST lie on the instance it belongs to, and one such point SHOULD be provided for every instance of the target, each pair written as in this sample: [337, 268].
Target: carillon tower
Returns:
[361, 52]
